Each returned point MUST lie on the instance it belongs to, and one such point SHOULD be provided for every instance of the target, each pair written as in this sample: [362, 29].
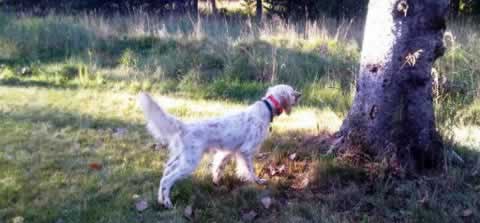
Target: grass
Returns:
[73, 147]
[50, 136]
[48, 145]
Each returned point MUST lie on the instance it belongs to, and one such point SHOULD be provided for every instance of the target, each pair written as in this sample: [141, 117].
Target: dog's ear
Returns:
[285, 104]
[297, 94]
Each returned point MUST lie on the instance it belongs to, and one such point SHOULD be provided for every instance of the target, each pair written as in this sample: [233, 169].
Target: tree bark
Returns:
[454, 7]
[259, 11]
[392, 115]
[194, 9]
[213, 3]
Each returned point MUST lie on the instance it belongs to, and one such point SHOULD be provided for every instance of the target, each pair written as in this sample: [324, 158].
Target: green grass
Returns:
[67, 100]
[50, 136]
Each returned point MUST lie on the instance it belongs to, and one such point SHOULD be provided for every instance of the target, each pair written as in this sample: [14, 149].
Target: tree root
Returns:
[335, 146]
[455, 158]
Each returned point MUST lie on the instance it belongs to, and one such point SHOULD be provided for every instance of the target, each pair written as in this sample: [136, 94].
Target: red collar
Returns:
[276, 104]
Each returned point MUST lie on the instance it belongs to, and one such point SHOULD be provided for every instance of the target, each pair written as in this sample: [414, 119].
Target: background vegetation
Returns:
[67, 101]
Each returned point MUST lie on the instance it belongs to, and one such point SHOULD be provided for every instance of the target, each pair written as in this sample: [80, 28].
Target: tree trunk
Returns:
[213, 3]
[392, 116]
[194, 9]
[259, 11]
[454, 7]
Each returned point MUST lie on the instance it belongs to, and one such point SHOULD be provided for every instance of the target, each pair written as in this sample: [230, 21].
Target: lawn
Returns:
[73, 146]
[51, 137]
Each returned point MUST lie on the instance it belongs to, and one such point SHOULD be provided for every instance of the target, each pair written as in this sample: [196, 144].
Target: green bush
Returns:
[47, 38]
[213, 58]
[70, 71]
[235, 89]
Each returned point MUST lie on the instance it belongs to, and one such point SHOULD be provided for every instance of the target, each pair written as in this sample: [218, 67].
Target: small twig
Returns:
[411, 58]
[403, 7]
[335, 145]
[455, 157]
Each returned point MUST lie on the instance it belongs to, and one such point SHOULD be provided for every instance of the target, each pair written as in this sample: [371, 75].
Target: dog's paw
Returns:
[261, 181]
[168, 204]
[216, 181]
[160, 199]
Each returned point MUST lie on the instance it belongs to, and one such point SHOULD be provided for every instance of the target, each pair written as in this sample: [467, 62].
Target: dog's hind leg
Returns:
[172, 162]
[187, 164]
[220, 159]
[171, 165]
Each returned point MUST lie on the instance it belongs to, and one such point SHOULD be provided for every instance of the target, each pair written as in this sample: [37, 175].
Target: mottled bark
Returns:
[392, 115]
[259, 11]
[195, 8]
[455, 7]
[213, 4]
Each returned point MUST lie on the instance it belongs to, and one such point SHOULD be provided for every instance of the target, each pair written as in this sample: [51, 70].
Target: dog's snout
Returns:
[297, 94]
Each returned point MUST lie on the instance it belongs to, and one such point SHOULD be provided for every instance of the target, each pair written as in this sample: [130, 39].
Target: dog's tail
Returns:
[161, 125]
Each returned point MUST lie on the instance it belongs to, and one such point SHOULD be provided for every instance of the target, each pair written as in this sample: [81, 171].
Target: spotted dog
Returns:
[239, 135]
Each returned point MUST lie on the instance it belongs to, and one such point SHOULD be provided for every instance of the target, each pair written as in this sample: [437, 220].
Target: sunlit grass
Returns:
[49, 136]
[68, 88]
[468, 136]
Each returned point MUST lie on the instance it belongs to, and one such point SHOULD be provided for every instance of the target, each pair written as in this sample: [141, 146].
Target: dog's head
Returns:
[286, 95]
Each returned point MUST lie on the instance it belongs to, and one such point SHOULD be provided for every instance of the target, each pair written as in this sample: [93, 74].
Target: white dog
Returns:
[240, 134]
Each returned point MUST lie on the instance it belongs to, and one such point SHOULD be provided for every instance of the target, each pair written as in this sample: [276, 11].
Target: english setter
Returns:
[239, 135]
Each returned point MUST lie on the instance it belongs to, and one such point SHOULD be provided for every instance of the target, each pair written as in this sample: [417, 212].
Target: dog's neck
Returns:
[273, 106]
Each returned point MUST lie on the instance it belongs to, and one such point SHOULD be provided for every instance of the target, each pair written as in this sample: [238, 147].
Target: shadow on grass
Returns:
[63, 119]
[17, 82]
[52, 180]
[235, 91]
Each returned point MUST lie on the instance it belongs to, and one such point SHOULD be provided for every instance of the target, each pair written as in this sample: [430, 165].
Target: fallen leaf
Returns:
[76, 146]
[188, 212]
[95, 166]
[249, 216]
[275, 170]
[425, 201]
[281, 169]
[141, 205]
[292, 156]
[156, 146]
[272, 170]
[467, 213]
[18, 219]
[98, 143]
[119, 132]
[477, 188]
[308, 195]
[266, 202]
[262, 156]
[300, 182]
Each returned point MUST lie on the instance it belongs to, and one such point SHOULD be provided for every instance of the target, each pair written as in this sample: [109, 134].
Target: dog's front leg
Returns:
[246, 170]
[219, 161]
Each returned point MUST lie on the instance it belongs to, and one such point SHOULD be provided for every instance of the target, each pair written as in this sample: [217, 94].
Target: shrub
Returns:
[48, 38]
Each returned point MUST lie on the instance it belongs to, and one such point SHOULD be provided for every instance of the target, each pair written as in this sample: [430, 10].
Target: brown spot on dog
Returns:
[402, 7]
[197, 133]
[374, 68]
[373, 112]
[174, 160]
[213, 125]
